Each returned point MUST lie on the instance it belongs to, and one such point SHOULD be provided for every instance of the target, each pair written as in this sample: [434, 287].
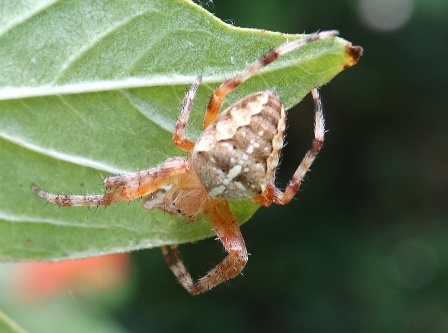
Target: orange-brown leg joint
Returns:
[220, 216]
[217, 98]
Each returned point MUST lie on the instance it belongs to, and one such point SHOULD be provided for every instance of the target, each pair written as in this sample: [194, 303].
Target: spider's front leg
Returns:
[219, 215]
[124, 187]
[272, 194]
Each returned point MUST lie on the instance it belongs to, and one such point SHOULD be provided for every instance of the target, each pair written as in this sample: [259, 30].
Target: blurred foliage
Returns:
[364, 246]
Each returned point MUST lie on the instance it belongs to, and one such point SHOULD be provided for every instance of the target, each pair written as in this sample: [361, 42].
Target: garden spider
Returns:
[235, 158]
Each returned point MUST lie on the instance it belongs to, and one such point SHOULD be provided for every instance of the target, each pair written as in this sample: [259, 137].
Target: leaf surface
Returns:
[8, 326]
[93, 88]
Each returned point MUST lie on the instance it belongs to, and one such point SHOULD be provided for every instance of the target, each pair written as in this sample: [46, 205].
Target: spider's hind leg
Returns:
[179, 131]
[218, 96]
[272, 193]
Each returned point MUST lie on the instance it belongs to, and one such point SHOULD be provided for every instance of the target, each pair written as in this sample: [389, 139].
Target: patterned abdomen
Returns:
[237, 154]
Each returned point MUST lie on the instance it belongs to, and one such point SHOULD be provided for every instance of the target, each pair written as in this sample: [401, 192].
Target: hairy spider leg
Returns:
[219, 215]
[218, 96]
[272, 193]
[126, 187]
[179, 132]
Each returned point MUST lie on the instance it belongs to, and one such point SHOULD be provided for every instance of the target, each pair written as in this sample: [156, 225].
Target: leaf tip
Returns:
[353, 53]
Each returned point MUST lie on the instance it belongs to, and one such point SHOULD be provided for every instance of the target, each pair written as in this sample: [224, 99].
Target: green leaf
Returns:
[92, 88]
[8, 326]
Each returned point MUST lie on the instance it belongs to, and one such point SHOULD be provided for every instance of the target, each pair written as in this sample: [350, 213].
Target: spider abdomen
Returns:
[237, 154]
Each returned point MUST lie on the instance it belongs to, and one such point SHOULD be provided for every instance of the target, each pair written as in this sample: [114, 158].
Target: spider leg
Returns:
[175, 263]
[125, 187]
[218, 96]
[273, 194]
[218, 213]
[171, 166]
[187, 103]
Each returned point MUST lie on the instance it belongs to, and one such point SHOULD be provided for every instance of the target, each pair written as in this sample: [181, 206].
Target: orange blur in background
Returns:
[36, 281]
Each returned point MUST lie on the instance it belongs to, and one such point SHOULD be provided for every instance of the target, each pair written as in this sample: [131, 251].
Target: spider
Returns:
[235, 158]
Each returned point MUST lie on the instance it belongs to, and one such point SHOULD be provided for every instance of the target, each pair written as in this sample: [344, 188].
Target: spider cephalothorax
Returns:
[235, 158]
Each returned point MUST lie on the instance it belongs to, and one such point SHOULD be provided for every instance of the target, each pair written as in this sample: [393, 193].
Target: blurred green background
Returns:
[364, 247]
